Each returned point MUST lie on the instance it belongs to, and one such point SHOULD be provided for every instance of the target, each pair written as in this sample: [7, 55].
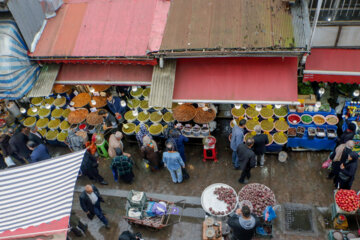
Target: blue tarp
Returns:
[316, 143]
[17, 73]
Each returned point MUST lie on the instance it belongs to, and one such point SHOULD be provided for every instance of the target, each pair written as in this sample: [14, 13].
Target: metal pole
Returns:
[314, 24]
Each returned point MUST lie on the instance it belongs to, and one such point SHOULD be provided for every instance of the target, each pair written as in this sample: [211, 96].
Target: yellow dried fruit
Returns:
[146, 92]
[51, 134]
[137, 93]
[266, 112]
[129, 116]
[53, 124]
[267, 125]
[238, 112]
[143, 117]
[59, 102]
[49, 101]
[61, 137]
[168, 117]
[66, 112]
[155, 129]
[251, 112]
[42, 123]
[281, 125]
[44, 112]
[250, 124]
[144, 104]
[280, 138]
[133, 103]
[56, 113]
[36, 100]
[156, 117]
[64, 125]
[30, 121]
[128, 128]
[33, 113]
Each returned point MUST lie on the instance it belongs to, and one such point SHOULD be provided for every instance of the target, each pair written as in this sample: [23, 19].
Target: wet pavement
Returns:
[299, 180]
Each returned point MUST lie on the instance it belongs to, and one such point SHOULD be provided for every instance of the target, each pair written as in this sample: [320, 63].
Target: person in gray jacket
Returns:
[243, 224]
[247, 159]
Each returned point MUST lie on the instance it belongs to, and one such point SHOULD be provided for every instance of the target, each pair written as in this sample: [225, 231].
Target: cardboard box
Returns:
[308, 99]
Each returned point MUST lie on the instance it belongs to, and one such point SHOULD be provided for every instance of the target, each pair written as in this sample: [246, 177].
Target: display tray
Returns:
[209, 200]
[339, 210]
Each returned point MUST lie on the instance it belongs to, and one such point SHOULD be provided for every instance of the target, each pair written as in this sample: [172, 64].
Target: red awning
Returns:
[333, 65]
[118, 74]
[229, 80]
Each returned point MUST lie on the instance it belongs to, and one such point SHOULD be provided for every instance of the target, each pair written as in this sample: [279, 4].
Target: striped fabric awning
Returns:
[36, 199]
[17, 73]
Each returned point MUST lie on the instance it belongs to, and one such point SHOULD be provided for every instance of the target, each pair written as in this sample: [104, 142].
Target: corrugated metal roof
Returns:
[162, 85]
[301, 24]
[29, 17]
[45, 82]
[74, 74]
[93, 28]
[229, 24]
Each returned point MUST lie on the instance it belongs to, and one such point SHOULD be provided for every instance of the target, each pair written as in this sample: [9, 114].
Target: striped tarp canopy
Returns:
[36, 199]
[17, 73]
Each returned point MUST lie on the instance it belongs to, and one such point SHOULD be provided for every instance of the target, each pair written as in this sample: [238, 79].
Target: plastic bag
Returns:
[326, 164]
[269, 213]
[9, 162]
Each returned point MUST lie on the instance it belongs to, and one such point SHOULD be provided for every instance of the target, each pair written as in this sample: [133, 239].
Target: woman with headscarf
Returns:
[339, 156]
[178, 139]
[150, 153]
[142, 132]
[347, 171]
[173, 163]
[121, 166]
[115, 142]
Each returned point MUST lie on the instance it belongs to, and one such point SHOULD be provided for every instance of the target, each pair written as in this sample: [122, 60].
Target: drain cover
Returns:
[299, 218]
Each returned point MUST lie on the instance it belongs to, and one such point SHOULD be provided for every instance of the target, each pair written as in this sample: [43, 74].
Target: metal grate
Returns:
[299, 219]
[336, 10]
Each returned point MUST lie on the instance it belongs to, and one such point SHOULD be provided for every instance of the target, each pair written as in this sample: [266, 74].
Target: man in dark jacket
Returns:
[242, 224]
[348, 134]
[260, 142]
[6, 149]
[39, 152]
[18, 144]
[90, 200]
[89, 167]
[35, 136]
[246, 159]
[130, 236]
[347, 171]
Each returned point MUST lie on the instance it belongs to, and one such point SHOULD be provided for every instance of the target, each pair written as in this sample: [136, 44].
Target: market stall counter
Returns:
[312, 130]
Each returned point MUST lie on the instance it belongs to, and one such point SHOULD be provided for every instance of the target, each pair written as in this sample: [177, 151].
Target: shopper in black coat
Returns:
[246, 159]
[348, 134]
[90, 200]
[348, 171]
[260, 142]
[89, 167]
[243, 224]
[18, 144]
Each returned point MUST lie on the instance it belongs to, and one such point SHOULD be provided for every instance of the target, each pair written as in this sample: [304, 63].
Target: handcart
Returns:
[158, 222]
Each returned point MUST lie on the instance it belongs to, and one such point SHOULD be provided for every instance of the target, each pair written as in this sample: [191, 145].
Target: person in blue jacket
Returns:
[39, 152]
[179, 140]
[114, 104]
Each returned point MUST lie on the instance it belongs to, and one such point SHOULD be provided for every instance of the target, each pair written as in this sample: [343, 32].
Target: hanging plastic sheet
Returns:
[17, 73]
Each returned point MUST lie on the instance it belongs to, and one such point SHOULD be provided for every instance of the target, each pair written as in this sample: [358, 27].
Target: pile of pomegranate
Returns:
[259, 195]
[347, 200]
[226, 195]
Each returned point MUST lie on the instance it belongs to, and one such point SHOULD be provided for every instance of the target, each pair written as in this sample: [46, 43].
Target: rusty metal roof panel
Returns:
[106, 28]
[162, 85]
[238, 24]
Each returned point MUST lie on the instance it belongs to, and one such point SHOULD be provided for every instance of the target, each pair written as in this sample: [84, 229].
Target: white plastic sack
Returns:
[50, 7]
[9, 162]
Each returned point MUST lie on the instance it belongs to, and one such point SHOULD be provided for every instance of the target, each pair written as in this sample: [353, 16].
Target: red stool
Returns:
[209, 151]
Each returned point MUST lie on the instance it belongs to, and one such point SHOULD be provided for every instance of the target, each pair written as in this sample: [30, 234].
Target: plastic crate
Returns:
[139, 209]
[139, 204]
